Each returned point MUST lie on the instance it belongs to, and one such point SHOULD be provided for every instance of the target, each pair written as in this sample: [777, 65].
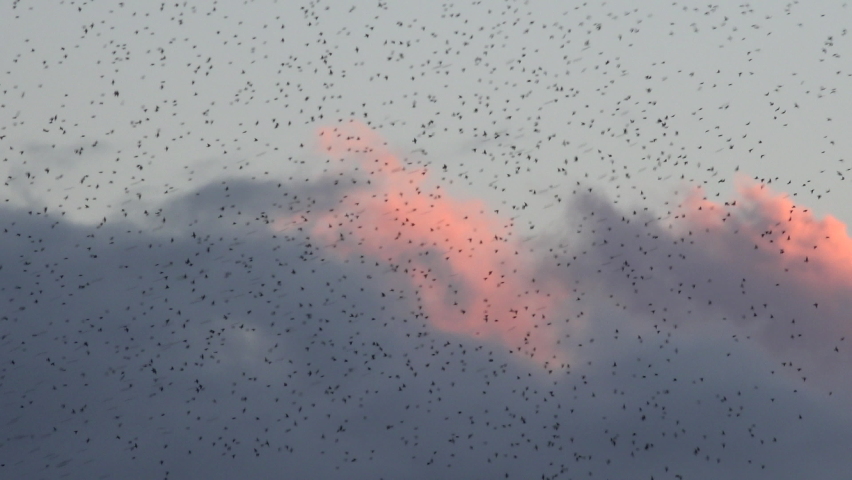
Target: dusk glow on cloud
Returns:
[425, 240]
[800, 264]
[473, 278]
[756, 266]
[471, 275]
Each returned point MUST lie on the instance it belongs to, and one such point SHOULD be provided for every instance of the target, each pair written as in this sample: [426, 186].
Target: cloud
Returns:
[254, 348]
[758, 261]
[472, 277]
[756, 267]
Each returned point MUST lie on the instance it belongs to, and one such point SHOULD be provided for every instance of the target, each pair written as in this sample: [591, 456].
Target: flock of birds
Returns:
[463, 240]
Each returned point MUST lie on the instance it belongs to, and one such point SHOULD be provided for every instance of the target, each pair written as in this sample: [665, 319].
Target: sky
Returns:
[374, 240]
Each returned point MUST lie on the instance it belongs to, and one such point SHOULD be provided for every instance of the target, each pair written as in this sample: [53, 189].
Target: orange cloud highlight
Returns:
[769, 265]
[471, 276]
[774, 223]
[758, 263]
[797, 269]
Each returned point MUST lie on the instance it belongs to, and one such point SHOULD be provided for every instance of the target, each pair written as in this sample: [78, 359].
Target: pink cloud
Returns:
[472, 277]
[756, 265]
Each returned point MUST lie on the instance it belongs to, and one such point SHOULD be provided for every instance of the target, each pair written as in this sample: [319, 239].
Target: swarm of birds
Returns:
[331, 239]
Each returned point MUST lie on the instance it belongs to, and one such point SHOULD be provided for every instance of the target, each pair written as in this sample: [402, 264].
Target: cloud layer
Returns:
[756, 266]
[471, 275]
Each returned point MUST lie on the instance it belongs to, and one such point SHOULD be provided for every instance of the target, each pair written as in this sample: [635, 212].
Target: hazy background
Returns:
[262, 239]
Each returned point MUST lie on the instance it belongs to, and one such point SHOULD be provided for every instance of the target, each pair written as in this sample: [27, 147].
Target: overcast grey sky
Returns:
[485, 239]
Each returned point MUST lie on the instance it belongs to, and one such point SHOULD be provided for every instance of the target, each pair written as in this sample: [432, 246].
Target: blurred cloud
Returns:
[472, 276]
[756, 266]
[228, 336]
[198, 282]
